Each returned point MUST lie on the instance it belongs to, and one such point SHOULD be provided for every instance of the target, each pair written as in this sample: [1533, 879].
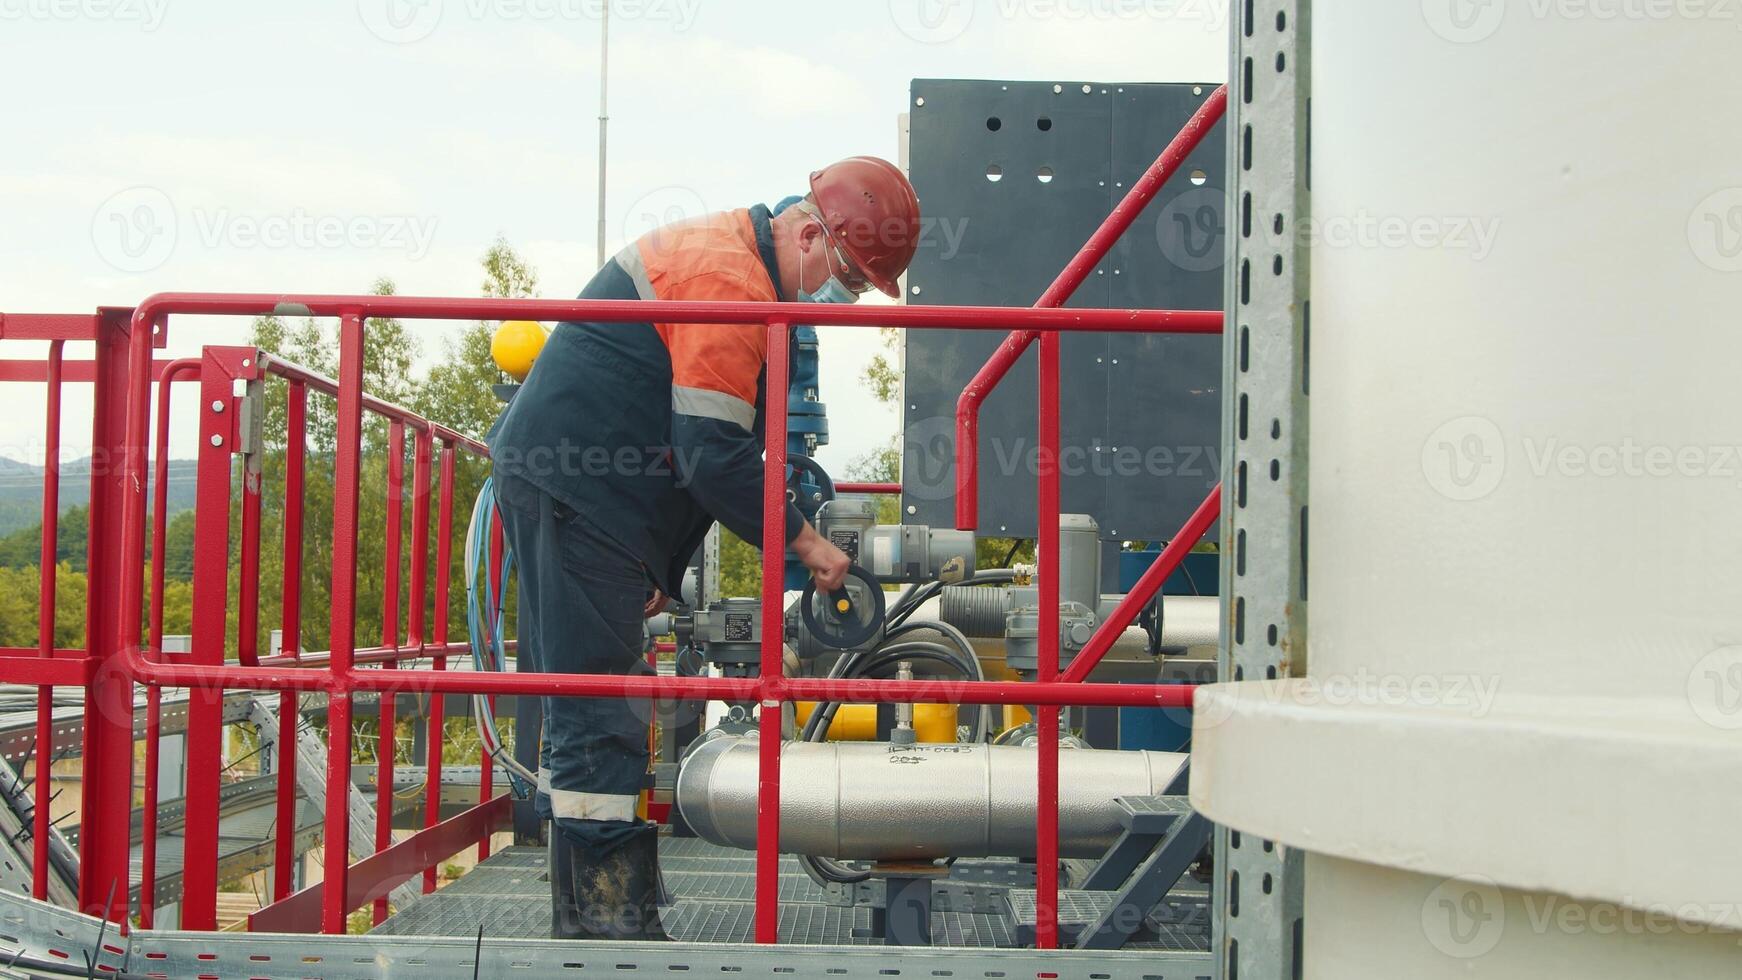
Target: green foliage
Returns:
[20, 611]
[881, 374]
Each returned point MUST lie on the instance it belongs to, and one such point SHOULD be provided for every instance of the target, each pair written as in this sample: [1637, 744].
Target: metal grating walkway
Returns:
[712, 889]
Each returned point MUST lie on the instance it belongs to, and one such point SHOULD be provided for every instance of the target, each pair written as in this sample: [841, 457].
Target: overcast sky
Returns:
[315, 145]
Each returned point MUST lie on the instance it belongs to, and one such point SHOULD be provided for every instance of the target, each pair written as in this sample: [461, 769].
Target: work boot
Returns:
[605, 894]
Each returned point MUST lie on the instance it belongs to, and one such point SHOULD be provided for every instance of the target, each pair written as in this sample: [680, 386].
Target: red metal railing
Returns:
[340, 680]
[117, 552]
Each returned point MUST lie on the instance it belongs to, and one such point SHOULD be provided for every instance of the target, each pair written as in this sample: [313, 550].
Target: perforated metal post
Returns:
[1257, 929]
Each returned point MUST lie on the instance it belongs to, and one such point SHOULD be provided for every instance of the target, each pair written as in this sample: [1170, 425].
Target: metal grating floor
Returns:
[712, 889]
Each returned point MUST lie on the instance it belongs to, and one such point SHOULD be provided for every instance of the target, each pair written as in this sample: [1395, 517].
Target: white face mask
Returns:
[832, 290]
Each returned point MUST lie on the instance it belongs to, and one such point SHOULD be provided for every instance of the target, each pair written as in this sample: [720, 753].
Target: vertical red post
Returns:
[205, 718]
[773, 662]
[112, 610]
[384, 742]
[1046, 844]
[343, 633]
[48, 568]
[154, 694]
[290, 631]
[436, 738]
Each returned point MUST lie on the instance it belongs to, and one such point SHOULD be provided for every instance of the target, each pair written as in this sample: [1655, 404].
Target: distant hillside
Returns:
[21, 490]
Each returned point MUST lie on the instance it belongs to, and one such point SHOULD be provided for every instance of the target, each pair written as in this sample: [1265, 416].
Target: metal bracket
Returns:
[1258, 899]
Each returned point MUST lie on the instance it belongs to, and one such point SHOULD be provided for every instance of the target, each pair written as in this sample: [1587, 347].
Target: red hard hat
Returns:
[873, 213]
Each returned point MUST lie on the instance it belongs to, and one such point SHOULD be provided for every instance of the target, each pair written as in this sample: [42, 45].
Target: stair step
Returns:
[1076, 911]
[1151, 814]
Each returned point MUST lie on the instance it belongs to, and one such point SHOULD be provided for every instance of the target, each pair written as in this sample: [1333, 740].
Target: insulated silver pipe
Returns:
[876, 801]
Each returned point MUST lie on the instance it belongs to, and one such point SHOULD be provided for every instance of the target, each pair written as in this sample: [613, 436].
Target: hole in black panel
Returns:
[1044, 175]
[1043, 124]
[994, 173]
[994, 123]
[1199, 178]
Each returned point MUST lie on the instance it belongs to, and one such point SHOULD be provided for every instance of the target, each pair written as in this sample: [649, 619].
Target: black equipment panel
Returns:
[1013, 177]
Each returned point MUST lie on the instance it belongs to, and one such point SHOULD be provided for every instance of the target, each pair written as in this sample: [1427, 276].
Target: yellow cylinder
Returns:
[933, 724]
[516, 344]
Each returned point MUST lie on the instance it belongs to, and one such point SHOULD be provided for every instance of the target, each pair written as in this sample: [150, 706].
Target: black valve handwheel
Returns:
[845, 623]
[805, 465]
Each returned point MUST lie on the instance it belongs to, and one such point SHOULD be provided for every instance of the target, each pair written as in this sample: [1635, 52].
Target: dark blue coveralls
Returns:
[626, 443]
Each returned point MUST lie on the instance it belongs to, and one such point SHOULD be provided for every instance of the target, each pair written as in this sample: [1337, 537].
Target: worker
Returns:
[625, 444]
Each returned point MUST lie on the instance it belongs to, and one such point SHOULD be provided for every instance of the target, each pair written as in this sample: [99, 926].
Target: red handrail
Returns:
[340, 680]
